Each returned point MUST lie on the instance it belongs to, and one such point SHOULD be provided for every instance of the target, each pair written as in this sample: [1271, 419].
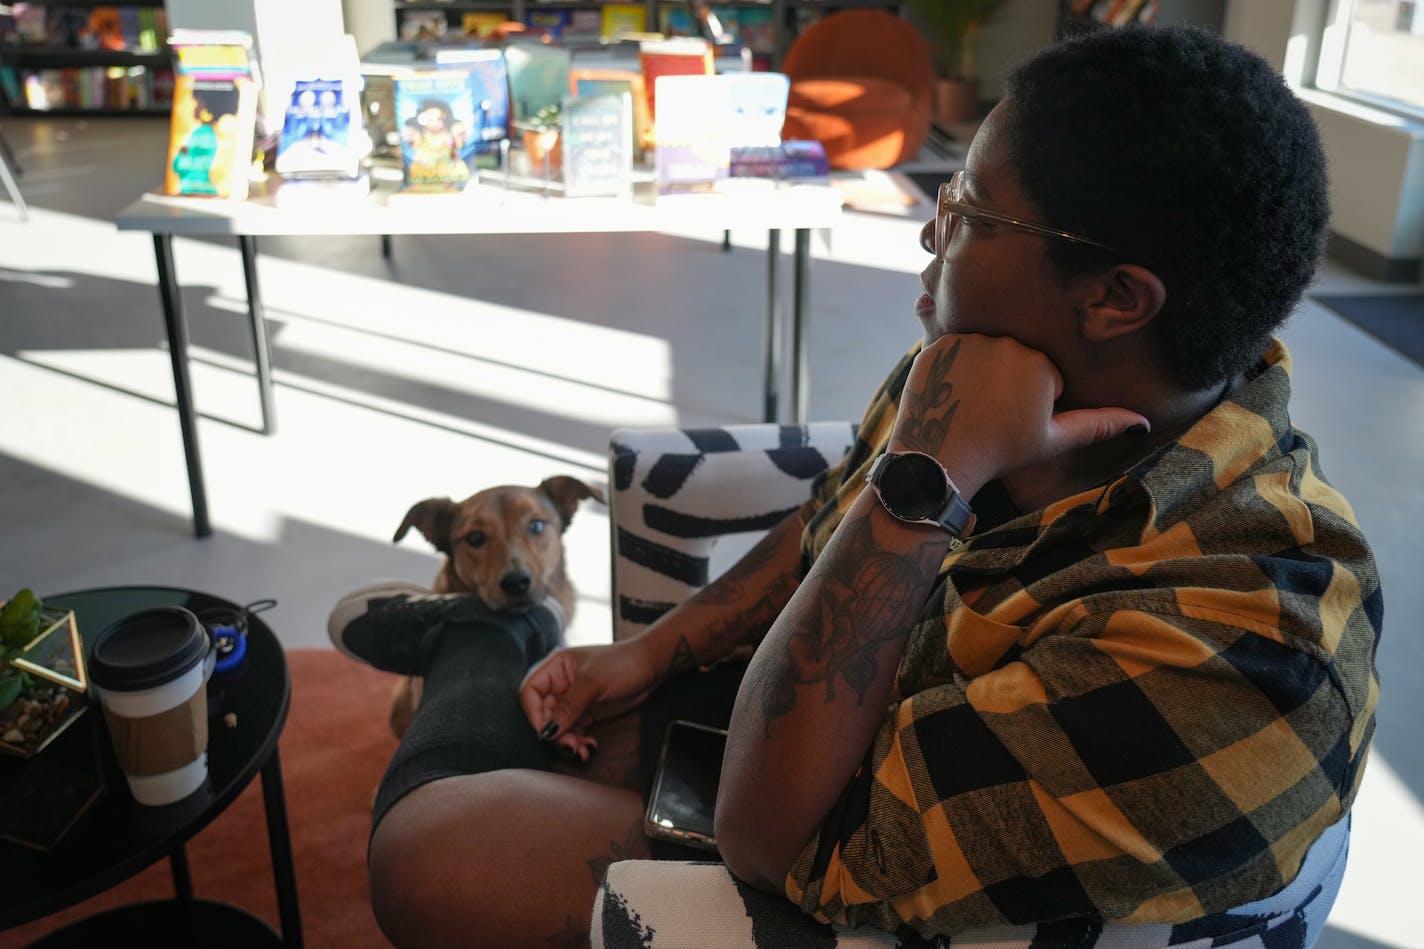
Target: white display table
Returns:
[487, 209]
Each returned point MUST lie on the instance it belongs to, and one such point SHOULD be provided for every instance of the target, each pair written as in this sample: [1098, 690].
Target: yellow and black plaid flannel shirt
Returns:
[1140, 704]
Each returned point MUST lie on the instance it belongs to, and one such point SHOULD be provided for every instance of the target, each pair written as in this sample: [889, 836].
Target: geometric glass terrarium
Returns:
[43, 687]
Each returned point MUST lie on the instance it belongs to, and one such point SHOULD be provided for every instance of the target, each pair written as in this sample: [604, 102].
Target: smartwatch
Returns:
[915, 488]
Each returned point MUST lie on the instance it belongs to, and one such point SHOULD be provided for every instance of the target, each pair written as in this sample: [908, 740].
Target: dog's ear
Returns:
[433, 517]
[566, 493]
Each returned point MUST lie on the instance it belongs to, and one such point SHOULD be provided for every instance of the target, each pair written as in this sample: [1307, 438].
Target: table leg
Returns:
[800, 376]
[279, 841]
[257, 316]
[773, 322]
[182, 386]
[8, 180]
[182, 879]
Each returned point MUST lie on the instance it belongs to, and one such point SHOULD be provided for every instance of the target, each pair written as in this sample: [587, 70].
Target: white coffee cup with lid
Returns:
[150, 670]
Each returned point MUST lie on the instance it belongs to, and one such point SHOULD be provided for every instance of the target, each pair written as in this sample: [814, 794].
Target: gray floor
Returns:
[464, 362]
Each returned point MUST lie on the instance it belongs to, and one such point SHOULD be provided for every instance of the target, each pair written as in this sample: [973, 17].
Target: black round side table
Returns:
[117, 837]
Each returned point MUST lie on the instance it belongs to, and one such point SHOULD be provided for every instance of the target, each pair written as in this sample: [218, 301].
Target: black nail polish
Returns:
[549, 731]
[1138, 430]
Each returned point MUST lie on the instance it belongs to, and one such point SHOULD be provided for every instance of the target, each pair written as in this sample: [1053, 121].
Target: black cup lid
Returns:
[146, 649]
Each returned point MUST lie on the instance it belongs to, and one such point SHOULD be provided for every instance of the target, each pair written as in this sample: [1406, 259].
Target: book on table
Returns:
[214, 118]
[594, 82]
[758, 103]
[693, 130]
[682, 56]
[538, 77]
[598, 144]
[488, 79]
[322, 133]
[435, 115]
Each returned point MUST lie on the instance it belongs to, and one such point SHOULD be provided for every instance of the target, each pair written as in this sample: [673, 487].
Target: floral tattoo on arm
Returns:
[927, 418]
[875, 600]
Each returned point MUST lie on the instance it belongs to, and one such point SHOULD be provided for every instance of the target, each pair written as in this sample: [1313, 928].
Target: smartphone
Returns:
[685, 786]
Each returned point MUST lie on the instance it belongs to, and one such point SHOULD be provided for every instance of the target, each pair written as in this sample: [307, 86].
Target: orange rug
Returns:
[334, 748]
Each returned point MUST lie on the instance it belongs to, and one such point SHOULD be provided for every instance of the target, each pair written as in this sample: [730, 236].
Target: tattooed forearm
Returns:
[875, 599]
[929, 411]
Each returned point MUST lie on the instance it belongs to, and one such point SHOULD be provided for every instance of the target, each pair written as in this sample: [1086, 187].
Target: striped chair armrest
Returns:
[674, 493]
[653, 904]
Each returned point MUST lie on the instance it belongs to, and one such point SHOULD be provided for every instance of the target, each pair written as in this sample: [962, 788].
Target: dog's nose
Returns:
[514, 584]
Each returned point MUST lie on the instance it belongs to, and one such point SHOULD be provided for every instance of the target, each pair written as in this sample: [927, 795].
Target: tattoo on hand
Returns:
[930, 415]
[876, 603]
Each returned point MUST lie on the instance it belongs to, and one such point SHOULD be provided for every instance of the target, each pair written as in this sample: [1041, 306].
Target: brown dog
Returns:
[504, 545]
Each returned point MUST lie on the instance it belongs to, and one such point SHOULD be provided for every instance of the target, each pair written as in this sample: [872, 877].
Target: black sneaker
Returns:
[394, 626]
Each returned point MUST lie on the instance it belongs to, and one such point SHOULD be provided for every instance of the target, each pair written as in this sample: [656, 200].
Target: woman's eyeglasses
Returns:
[952, 207]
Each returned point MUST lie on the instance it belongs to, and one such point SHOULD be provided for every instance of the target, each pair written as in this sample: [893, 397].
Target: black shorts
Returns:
[704, 697]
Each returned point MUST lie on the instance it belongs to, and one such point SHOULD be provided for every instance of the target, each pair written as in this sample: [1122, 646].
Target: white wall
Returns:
[1376, 159]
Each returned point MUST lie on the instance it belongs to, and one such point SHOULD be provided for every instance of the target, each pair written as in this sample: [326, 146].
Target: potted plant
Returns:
[540, 134]
[951, 26]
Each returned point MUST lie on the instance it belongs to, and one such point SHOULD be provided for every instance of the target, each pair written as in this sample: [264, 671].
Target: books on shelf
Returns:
[87, 87]
[598, 144]
[620, 19]
[214, 114]
[435, 113]
[552, 22]
[422, 25]
[488, 80]
[480, 25]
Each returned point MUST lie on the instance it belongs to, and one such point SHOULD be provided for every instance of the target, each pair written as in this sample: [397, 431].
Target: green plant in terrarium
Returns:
[548, 118]
[21, 620]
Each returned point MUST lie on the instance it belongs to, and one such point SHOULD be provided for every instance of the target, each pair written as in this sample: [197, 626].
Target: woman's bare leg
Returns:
[506, 858]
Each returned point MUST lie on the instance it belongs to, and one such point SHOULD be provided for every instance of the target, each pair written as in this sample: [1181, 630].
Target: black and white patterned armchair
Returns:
[684, 504]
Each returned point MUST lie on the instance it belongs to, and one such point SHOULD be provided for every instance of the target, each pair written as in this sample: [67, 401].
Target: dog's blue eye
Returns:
[475, 538]
[537, 526]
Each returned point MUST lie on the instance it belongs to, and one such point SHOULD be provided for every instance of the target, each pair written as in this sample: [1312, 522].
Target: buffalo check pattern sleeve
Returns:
[1142, 704]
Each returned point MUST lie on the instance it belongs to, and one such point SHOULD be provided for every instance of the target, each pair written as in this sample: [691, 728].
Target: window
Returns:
[1373, 50]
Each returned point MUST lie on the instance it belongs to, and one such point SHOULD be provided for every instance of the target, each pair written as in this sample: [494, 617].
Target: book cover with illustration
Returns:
[693, 130]
[489, 91]
[321, 133]
[214, 118]
[598, 144]
[435, 115]
[210, 139]
[758, 101]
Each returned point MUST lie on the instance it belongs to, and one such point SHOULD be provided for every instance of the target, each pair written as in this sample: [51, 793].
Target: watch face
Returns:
[913, 487]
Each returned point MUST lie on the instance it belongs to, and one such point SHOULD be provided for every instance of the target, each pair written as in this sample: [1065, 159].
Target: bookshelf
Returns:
[1076, 17]
[767, 27]
[85, 57]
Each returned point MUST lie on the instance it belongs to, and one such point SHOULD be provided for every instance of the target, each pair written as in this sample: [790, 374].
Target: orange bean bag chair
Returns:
[861, 85]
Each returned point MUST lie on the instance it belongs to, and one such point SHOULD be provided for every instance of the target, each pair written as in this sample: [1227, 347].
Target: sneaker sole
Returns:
[353, 604]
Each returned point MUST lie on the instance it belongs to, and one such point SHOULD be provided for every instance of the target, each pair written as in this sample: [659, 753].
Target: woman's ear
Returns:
[1119, 301]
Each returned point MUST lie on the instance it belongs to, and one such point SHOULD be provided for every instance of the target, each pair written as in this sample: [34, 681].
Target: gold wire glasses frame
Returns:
[951, 205]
